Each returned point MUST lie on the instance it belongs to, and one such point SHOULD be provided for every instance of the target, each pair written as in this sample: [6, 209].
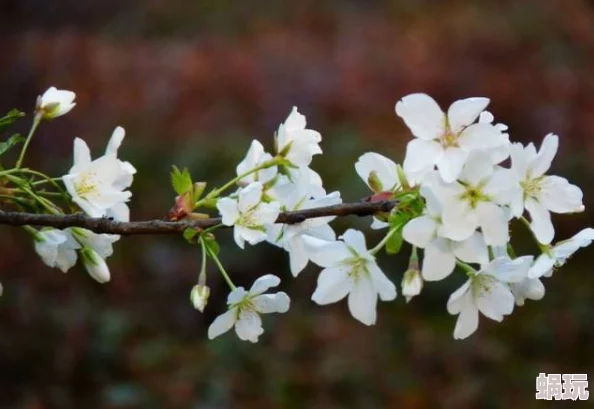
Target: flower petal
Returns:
[493, 222]
[540, 222]
[250, 196]
[362, 302]
[421, 155]
[472, 250]
[450, 164]
[422, 115]
[269, 303]
[264, 283]
[222, 323]
[383, 168]
[560, 196]
[420, 231]
[333, 285]
[438, 261]
[545, 156]
[249, 326]
[465, 111]
[355, 239]
[382, 285]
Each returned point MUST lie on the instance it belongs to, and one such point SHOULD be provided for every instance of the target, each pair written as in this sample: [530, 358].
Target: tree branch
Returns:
[105, 225]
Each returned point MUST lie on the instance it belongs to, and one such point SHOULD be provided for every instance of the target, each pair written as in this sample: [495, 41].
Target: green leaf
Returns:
[10, 118]
[12, 141]
[181, 180]
[394, 243]
[210, 242]
[191, 235]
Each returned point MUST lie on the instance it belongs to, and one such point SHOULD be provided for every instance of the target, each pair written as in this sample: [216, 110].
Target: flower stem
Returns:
[466, 267]
[383, 242]
[202, 276]
[215, 193]
[36, 122]
[221, 269]
[543, 248]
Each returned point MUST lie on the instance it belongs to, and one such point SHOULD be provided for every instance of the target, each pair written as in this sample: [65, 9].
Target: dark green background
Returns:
[193, 82]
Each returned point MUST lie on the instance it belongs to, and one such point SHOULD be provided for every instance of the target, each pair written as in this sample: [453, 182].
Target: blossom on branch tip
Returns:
[444, 140]
[57, 248]
[248, 214]
[254, 158]
[296, 143]
[350, 270]
[54, 103]
[245, 308]
[557, 255]
[542, 194]
[487, 291]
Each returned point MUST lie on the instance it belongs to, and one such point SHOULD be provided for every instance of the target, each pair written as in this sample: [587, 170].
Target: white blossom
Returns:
[478, 199]
[487, 291]
[95, 185]
[249, 215]
[254, 158]
[542, 194]
[124, 173]
[296, 143]
[55, 102]
[557, 255]
[440, 253]
[95, 265]
[245, 308]
[445, 140]
[101, 243]
[57, 248]
[350, 270]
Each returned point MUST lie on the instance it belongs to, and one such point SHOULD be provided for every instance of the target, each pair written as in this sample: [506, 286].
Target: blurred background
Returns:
[193, 83]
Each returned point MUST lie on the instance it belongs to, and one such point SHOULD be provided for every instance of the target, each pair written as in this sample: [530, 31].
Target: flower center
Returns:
[358, 268]
[473, 195]
[482, 284]
[248, 219]
[449, 139]
[86, 185]
[531, 187]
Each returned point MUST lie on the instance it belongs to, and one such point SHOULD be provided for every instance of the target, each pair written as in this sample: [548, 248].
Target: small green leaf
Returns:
[10, 118]
[210, 242]
[394, 243]
[12, 141]
[191, 235]
[181, 180]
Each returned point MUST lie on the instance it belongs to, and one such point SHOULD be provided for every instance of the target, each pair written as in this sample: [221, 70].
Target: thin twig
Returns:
[105, 225]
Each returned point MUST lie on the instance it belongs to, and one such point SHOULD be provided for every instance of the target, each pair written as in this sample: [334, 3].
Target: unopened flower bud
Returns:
[95, 265]
[412, 282]
[54, 103]
[199, 296]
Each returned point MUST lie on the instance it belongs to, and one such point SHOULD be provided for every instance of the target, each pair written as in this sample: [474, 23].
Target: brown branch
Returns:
[105, 225]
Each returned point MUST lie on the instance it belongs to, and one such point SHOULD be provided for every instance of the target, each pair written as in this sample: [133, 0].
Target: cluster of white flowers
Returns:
[461, 184]
[454, 162]
[454, 169]
[97, 186]
[271, 183]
